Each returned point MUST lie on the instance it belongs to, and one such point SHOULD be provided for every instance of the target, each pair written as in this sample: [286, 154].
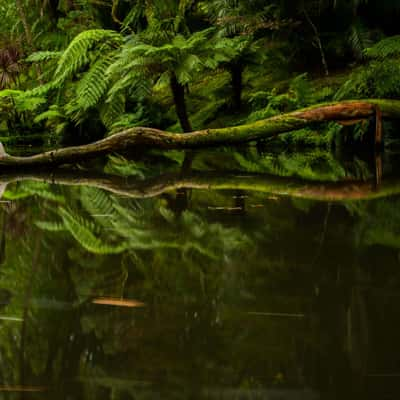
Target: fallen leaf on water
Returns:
[271, 314]
[118, 302]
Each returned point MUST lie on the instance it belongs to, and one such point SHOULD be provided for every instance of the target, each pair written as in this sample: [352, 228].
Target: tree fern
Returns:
[186, 57]
[77, 55]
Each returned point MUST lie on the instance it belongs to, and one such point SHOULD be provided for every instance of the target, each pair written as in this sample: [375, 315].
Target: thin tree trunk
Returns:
[319, 43]
[178, 92]
[150, 138]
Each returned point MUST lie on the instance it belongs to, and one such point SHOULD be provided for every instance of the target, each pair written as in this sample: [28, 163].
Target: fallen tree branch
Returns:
[156, 139]
[268, 184]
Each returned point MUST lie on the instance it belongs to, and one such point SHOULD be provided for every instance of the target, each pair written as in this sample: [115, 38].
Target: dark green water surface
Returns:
[248, 278]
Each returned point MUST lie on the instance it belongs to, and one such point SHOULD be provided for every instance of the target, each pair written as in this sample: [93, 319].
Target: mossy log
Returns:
[169, 183]
[156, 139]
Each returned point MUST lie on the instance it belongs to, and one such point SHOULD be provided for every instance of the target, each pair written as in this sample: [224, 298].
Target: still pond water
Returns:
[143, 281]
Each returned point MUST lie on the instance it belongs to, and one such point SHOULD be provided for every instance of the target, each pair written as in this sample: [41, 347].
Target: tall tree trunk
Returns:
[236, 70]
[178, 92]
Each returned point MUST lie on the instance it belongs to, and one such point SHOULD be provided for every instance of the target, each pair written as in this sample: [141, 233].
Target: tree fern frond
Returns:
[389, 47]
[94, 83]
[50, 226]
[135, 16]
[42, 90]
[52, 113]
[76, 55]
[112, 110]
[42, 56]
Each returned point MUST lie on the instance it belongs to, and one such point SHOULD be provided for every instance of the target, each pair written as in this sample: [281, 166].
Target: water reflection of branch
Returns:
[152, 187]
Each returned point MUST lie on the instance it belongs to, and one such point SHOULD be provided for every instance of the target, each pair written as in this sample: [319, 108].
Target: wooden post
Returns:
[378, 128]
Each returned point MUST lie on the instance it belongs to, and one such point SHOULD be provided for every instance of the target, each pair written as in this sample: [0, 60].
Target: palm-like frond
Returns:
[92, 87]
[112, 110]
[77, 54]
[42, 56]
[186, 57]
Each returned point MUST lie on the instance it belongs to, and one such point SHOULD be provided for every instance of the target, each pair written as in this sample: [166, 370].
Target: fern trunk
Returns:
[150, 138]
[178, 92]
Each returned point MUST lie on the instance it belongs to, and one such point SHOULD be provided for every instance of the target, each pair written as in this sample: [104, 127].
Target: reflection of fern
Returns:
[112, 225]
[96, 202]
[83, 232]
[379, 223]
[315, 165]
[29, 189]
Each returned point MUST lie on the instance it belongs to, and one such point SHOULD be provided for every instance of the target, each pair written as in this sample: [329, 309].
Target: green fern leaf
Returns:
[389, 47]
[42, 56]
[94, 84]
[50, 226]
[76, 55]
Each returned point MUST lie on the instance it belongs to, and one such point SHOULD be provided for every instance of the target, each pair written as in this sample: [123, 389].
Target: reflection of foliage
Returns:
[380, 223]
[111, 227]
[315, 165]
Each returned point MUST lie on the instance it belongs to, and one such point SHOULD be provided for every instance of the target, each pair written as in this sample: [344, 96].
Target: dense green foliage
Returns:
[242, 290]
[78, 70]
